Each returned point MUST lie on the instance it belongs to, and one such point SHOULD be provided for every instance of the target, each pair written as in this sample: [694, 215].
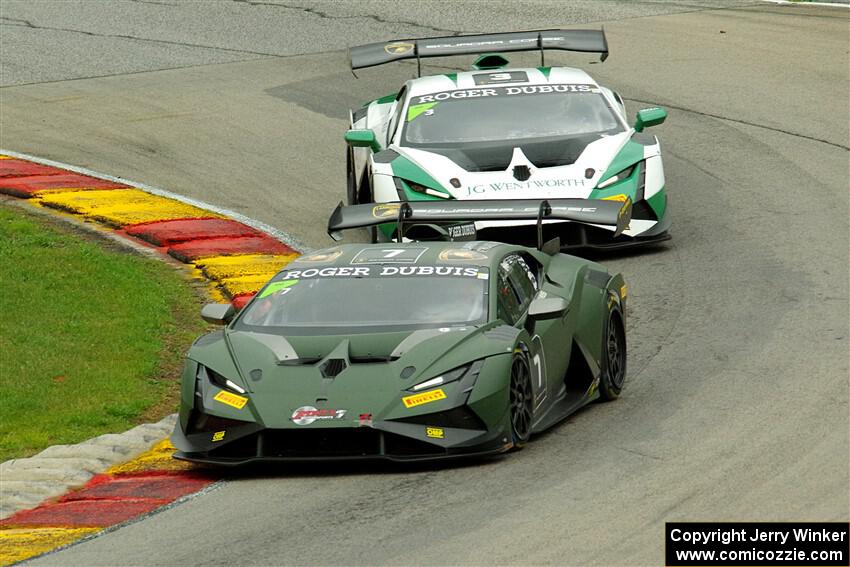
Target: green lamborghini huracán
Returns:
[416, 350]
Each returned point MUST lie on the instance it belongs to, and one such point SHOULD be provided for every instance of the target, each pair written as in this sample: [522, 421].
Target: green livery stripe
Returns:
[383, 99]
[545, 71]
[631, 153]
[658, 202]
[387, 98]
[406, 169]
[387, 228]
[453, 77]
[415, 110]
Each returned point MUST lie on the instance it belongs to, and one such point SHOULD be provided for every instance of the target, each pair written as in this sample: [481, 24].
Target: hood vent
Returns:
[332, 367]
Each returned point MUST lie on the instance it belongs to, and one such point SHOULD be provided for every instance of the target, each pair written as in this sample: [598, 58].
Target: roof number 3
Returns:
[500, 76]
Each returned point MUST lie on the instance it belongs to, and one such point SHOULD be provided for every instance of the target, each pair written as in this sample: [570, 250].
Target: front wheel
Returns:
[613, 374]
[521, 400]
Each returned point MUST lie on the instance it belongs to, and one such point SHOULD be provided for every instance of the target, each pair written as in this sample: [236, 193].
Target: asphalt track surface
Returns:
[736, 405]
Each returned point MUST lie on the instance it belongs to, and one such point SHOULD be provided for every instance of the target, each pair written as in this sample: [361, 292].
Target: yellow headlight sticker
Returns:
[622, 198]
[232, 400]
[624, 291]
[435, 433]
[423, 398]
[218, 436]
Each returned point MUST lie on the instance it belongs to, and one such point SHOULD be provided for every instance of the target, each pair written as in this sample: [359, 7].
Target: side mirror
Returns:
[362, 139]
[543, 308]
[218, 313]
[649, 117]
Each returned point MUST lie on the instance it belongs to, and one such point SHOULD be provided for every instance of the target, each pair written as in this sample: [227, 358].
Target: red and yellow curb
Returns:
[123, 493]
[235, 259]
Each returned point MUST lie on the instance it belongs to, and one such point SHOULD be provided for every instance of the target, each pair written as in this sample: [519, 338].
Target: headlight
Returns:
[418, 188]
[219, 380]
[625, 174]
[444, 378]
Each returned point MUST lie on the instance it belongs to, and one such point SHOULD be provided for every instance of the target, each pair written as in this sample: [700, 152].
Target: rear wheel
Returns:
[613, 374]
[521, 400]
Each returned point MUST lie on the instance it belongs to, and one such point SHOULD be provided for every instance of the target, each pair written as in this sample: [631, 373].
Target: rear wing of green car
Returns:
[372, 54]
[443, 216]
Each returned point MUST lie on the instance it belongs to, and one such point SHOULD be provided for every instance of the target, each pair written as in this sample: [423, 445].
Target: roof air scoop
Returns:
[522, 173]
[490, 61]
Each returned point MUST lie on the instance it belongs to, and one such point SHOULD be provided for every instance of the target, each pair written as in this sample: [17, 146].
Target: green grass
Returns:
[91, 337]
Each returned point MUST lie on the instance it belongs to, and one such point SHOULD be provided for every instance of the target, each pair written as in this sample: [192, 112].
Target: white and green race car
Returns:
[498, 133]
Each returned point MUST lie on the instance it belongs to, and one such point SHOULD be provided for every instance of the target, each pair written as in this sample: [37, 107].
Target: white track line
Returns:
[284, 237]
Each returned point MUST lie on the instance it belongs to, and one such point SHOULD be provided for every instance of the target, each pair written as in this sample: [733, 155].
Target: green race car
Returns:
[408, 351]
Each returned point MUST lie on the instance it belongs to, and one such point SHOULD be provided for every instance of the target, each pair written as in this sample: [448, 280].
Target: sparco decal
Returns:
[503, 91]
[523, 185]
[306, 415]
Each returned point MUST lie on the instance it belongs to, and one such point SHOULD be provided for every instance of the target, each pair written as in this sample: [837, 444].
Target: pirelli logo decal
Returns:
[423, 398]
[232, 400]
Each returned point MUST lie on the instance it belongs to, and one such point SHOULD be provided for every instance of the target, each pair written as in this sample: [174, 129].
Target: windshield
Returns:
[391, 296]
[508, 113]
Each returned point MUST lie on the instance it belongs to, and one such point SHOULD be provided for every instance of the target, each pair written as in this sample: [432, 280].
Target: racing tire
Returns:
[613, 372]
[521, 402]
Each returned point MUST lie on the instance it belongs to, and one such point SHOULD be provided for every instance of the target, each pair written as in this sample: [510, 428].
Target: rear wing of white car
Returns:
[372, 54]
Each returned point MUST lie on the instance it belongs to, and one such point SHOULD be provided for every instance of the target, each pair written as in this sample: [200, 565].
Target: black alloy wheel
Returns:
[521, 400]
[614, 363]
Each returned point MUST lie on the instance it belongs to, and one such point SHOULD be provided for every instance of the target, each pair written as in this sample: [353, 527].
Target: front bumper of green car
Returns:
[225, 427]
[392, 440]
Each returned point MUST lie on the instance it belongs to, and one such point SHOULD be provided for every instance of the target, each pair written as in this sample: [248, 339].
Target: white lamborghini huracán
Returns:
[503, 133]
